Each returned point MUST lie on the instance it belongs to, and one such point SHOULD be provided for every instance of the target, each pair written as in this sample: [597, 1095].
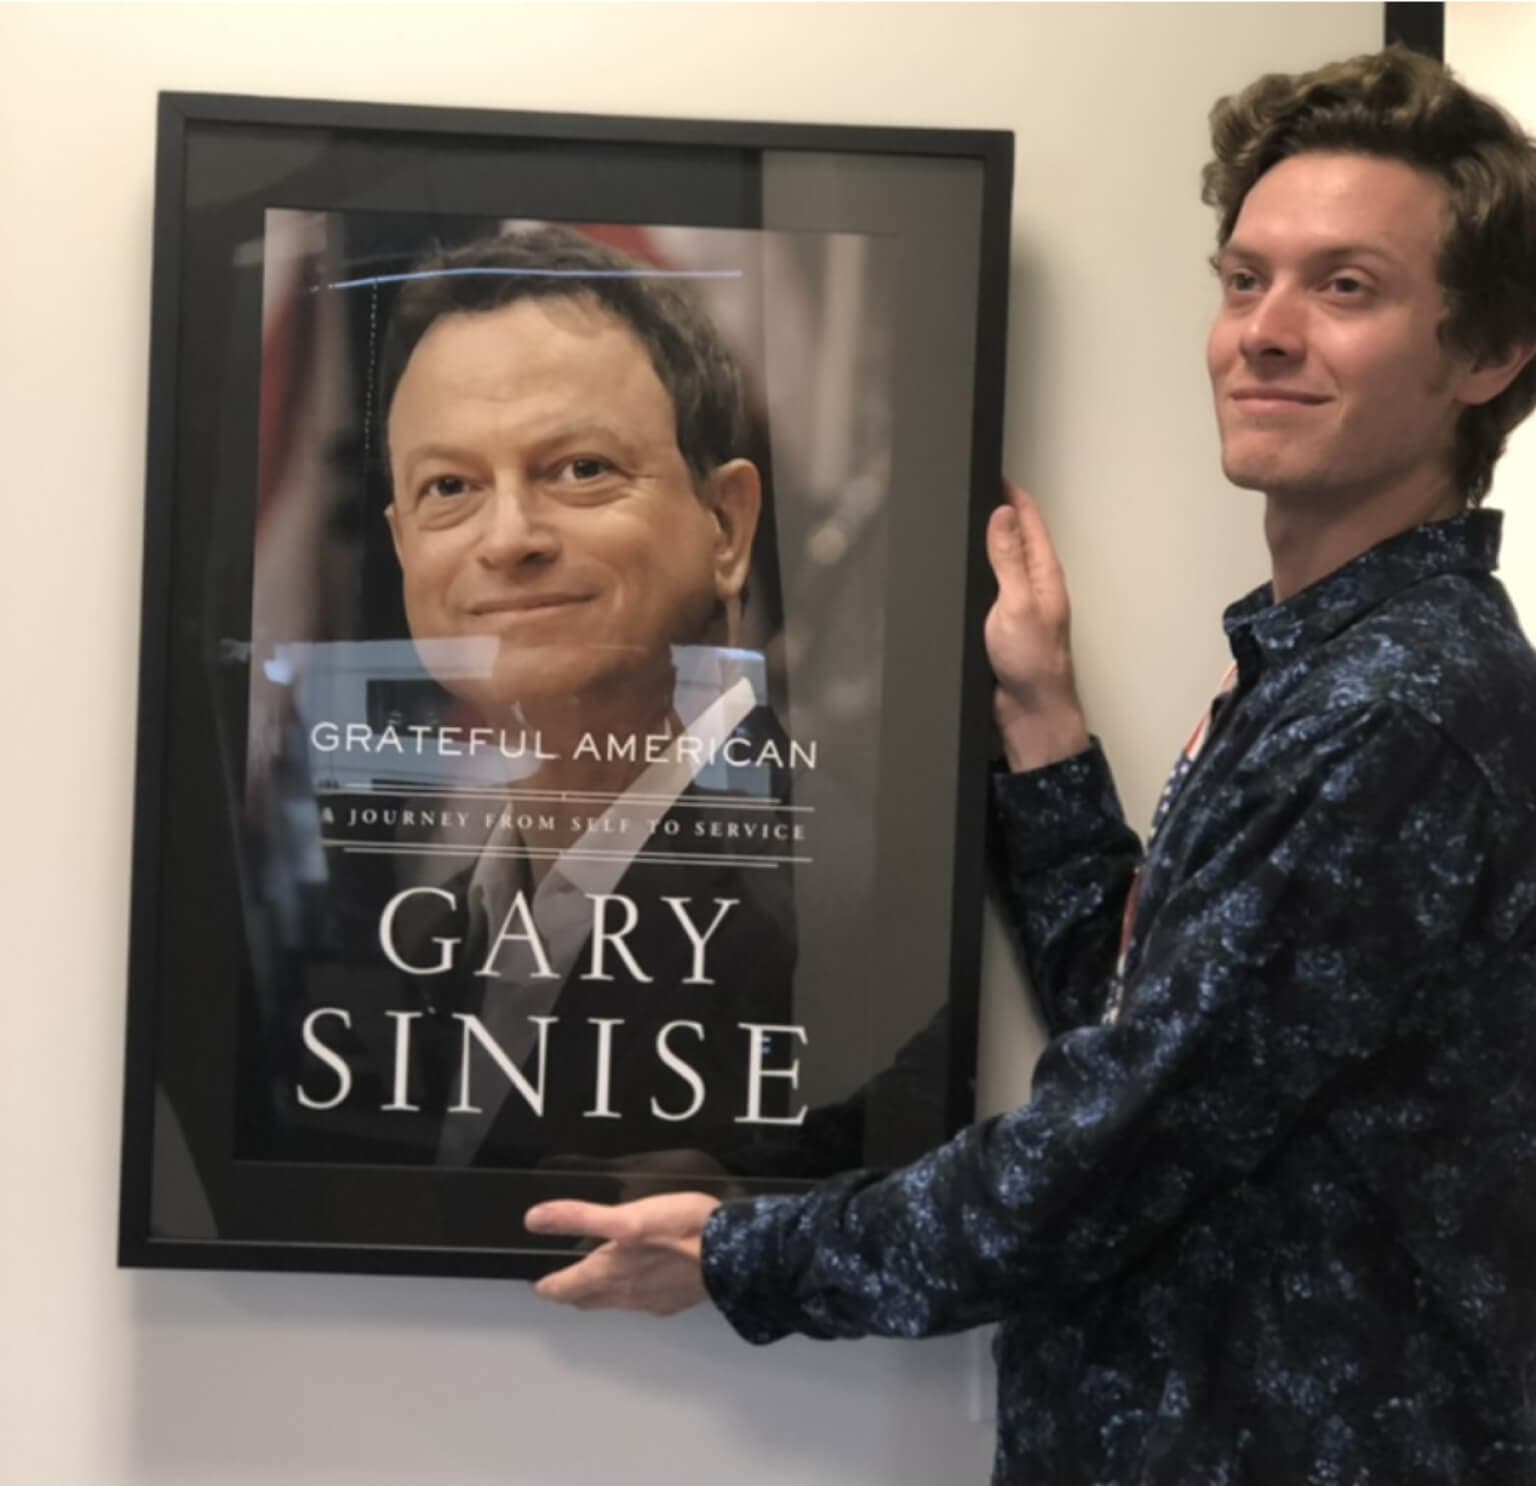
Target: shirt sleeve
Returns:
[1342, 878]
[1063, 859]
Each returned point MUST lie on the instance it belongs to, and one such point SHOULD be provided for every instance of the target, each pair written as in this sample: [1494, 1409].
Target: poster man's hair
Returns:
[700, 374]
[1403, 106]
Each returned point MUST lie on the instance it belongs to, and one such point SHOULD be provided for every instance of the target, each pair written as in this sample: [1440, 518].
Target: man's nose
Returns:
[1276, 325]
[519, 527]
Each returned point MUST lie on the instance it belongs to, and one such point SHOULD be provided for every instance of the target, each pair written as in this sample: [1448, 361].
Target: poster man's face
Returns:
[1325, 359]
[540, 498]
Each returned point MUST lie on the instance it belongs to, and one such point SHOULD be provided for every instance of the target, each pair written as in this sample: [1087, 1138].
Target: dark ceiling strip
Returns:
[1419, 24]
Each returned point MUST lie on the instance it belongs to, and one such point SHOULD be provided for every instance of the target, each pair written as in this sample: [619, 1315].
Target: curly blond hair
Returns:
[1404, 106]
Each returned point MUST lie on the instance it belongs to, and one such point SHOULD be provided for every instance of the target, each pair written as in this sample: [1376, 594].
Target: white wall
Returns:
[213, 1379]
[1493, 48]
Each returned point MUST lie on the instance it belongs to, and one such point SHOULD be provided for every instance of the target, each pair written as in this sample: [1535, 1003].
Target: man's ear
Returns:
[734, 493]
[1486, 379]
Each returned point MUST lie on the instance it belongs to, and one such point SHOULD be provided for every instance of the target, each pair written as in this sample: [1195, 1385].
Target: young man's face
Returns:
[1329, 376]
[540, 498]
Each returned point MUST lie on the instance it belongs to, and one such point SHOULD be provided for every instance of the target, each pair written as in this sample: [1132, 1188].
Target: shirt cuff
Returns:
[737, 1248]
[1069, 804]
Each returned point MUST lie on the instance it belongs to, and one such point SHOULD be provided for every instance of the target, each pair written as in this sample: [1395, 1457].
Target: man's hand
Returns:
[1028, 642]
[648, 1262]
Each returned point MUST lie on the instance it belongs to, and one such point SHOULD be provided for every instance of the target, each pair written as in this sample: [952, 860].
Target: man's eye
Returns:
[586, 468]
[1346, 284]
[1241, 281]
[446, 486]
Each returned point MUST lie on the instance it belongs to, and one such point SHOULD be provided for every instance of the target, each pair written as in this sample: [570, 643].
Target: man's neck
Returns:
[1310, 537]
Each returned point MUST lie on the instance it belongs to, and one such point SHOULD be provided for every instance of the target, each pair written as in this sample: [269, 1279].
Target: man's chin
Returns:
[1269, 476]
[566, 697]
[521, 697]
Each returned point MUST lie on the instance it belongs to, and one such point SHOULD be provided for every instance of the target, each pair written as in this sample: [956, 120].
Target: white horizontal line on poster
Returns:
[436, 848]
[559, 797]
[535, 273]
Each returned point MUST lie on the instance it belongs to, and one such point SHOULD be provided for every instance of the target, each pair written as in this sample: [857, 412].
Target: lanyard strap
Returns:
[1182, 769]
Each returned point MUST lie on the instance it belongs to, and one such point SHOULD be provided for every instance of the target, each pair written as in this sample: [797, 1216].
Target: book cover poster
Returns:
[559, 779]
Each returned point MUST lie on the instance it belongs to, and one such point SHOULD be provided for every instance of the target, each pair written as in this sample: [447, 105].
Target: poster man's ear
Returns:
[734, 492]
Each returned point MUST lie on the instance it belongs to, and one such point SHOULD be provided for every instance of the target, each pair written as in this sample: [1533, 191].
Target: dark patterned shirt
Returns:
[1272, 1218]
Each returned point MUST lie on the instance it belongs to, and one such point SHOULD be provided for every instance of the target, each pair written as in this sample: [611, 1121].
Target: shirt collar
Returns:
[1466, 543]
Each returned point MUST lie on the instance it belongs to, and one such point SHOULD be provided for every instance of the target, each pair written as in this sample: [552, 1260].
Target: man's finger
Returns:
[579, 1219]
[583, 1283]
[1005, 551]
[1022, 555]
[1039, 552]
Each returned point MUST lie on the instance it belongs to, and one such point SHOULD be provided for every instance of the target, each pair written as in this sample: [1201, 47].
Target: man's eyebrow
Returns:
[451, 452]
[565, 433]
[589, 428]
[1335, 253]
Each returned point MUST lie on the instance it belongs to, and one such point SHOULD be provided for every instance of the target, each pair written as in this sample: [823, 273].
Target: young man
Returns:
[1270, 1214]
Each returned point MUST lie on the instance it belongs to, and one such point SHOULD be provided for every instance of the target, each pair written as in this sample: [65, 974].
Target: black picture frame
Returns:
[937, 204]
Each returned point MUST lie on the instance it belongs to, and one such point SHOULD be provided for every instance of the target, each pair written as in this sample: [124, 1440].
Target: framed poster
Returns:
[562, 706]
